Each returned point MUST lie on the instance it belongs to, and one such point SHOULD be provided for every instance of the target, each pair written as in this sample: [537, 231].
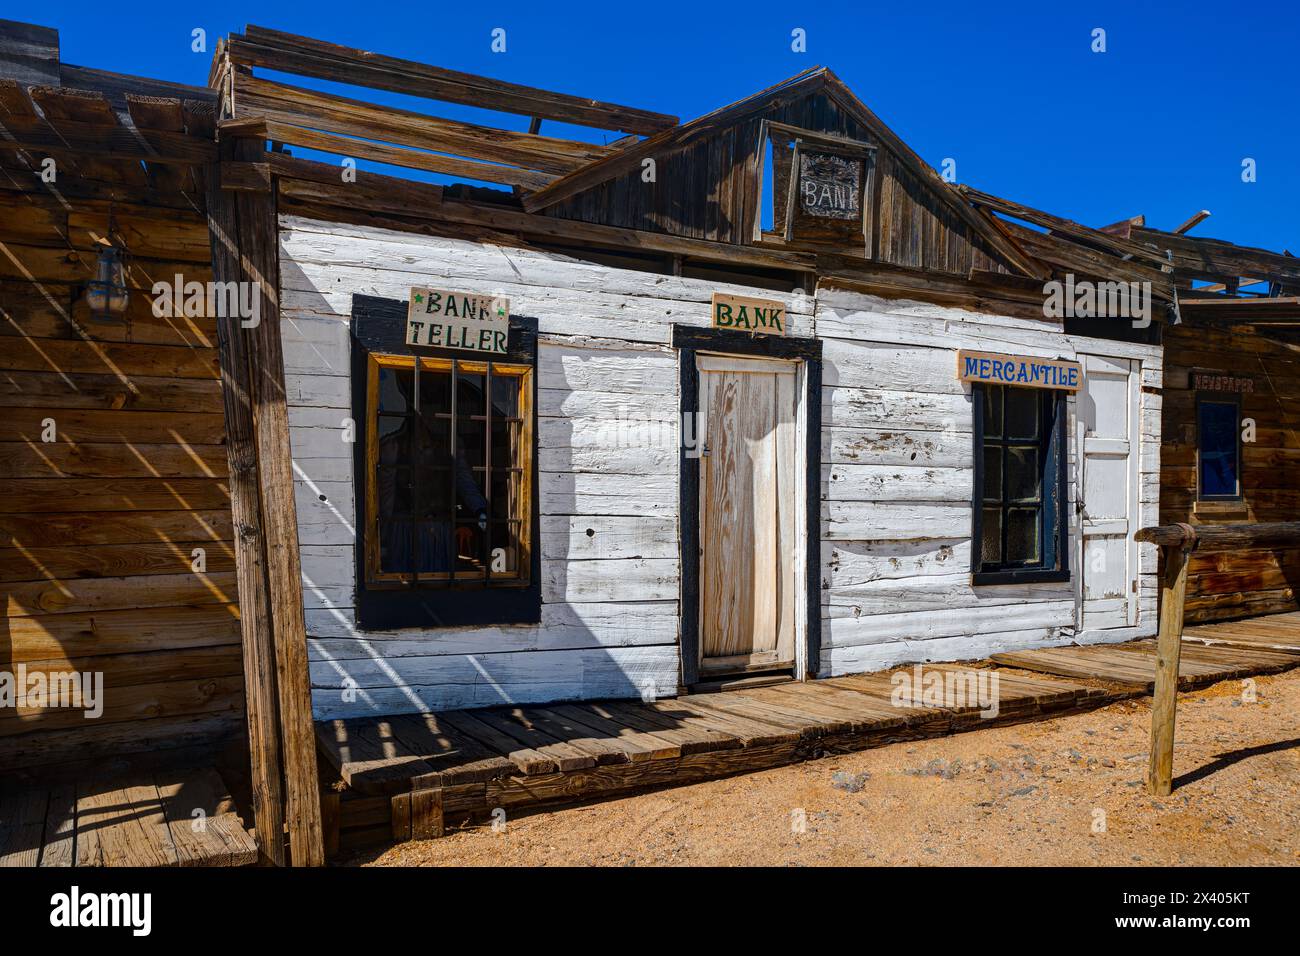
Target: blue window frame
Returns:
[1218, 447]
[1018, 505]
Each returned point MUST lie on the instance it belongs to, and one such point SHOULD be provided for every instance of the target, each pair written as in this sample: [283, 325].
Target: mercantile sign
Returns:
[1026, 371]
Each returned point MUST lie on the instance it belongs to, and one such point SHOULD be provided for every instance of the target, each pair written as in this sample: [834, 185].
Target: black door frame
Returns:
[688, 340]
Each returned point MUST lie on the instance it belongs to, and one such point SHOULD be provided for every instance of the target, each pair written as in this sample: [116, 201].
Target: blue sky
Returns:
[1158, 124]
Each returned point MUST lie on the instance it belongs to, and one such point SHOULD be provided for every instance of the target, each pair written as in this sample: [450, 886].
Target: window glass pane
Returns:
[503, 443]
[469, 546]
[396, 389]
[993, 474]
[469, 394]
[433, 538]
[395, 437]
[992, 411]
[1024, 481]
[1218, 448]
[503, 494]
[1022, 535]
[505, 548]
[393, 548]
[435, 391]
[433, 474]
[991, 535]
[505, 396]
[1018, 426]
[393, 496]
[1022, 413]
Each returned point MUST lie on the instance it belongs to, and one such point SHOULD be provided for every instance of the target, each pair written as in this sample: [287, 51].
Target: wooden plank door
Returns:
[1108, 420]
[749, 491]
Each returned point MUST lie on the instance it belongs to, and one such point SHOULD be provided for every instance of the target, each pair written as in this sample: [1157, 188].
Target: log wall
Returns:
[1235, 584]
[114, 473]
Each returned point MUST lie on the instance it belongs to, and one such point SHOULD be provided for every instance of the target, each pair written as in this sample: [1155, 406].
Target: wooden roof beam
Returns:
[390, 155]
[1200, 217]
[1065, 227]
[628, 159]
[29, 54]
[1090, 262]
[273, 49]
[281, 103]
[1217, 260]
[1124, 226]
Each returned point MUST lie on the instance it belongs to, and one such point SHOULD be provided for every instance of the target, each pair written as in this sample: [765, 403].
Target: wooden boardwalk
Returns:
[163, 819]
[1211, 652]
[400, 777]
[399, 772]
[1276, 632]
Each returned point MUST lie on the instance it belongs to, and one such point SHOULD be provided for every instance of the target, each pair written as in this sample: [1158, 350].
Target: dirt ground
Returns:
[1067, 791]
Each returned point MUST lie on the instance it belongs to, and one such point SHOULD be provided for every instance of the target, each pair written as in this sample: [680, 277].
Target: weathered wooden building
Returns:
[670, 500]
[750, 398]
[1230, 450]
[121, 644]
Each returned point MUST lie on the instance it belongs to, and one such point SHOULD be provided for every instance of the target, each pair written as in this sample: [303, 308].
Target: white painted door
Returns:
[749, 498]
[1108, 492]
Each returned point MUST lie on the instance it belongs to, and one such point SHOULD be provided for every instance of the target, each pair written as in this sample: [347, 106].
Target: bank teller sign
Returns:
[458, 320]
[1026, 371]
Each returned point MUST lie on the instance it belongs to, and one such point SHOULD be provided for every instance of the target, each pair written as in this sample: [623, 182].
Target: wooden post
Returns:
[1173, 594]
[260, 692]
[245, 238]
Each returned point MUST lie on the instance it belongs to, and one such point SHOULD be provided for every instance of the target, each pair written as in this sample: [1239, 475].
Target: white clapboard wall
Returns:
[897, 477]
[895, 489]
[608, 434]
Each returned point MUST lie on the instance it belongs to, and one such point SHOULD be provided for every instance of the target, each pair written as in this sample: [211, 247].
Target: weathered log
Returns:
[1224, 537]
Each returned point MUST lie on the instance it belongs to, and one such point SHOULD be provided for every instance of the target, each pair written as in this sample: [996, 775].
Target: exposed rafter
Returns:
[1200, 217]
[272, 49]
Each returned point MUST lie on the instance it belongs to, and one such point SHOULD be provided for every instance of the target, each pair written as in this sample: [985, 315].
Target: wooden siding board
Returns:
[610, 611]
[100, 526]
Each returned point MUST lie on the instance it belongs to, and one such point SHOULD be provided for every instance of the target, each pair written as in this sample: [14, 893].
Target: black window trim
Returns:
[1019, 575]
[379, 325]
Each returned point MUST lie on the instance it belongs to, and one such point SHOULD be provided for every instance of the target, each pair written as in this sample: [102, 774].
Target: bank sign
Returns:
[458, 320]
[1027, 371]
[743, 314]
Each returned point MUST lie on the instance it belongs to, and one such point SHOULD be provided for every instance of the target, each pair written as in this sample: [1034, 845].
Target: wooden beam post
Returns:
[1173, 594]
[260, 692]
[246, 229]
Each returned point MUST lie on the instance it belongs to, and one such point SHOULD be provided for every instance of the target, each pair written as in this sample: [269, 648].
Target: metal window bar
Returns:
[416, 419]
[487, 475]
[451, 473]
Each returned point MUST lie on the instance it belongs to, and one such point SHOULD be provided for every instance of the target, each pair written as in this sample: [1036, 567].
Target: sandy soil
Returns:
[1066, 791]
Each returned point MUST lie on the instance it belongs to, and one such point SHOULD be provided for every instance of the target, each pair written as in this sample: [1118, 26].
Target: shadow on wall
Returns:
[116, 554]
[608, 484]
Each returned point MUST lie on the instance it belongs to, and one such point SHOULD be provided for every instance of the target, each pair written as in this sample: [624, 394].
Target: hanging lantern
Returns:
[106, 294]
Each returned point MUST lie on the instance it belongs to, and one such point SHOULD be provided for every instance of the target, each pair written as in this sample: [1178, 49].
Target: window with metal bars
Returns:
[448, 474]
[1020, 485]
